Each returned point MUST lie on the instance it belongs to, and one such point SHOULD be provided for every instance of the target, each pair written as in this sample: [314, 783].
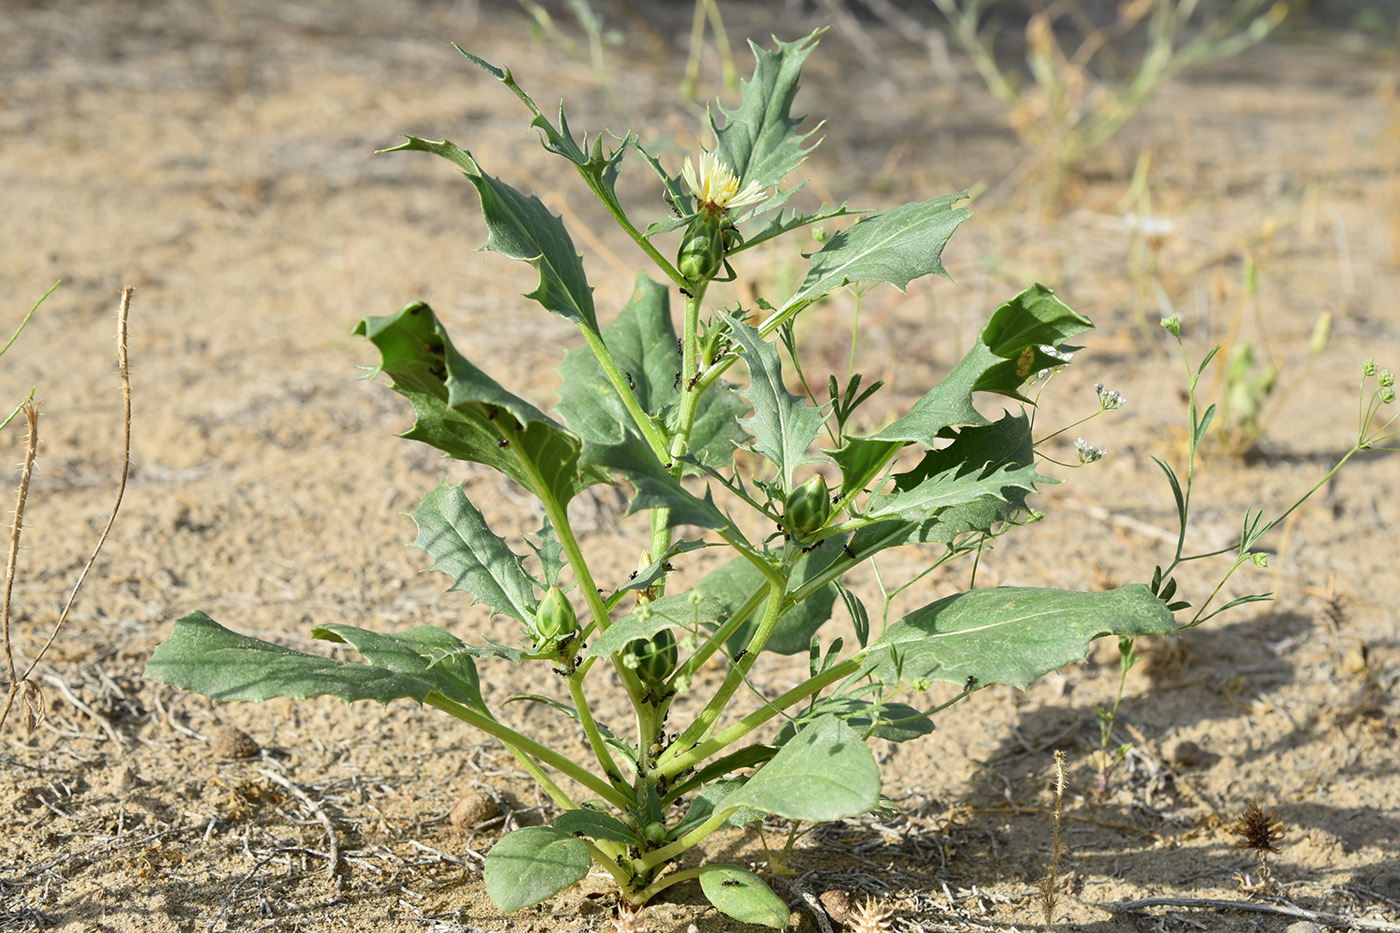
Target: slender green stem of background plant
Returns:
[728, 74]
[530, 752]
[30, 314]
[758, 717]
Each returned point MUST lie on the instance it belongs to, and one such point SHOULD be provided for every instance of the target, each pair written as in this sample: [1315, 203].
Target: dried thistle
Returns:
[1258, 830]
[868, 918]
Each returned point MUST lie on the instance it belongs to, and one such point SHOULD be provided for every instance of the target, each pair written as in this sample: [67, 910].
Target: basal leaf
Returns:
[824, 773]
[533, 864]
[893, 246]
[760, 141]
[455, 533]
[741, 894]
[1010, 635]
[783, 425]
[203, 656]
[523, 228]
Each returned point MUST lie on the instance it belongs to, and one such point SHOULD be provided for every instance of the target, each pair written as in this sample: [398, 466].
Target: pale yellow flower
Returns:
[716, 188]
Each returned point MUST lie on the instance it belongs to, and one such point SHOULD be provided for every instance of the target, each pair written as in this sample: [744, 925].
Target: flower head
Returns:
[1087, 452]
[716, 188]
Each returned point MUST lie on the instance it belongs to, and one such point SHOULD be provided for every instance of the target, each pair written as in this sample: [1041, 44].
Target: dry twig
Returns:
[1289, 910]
[21, 684]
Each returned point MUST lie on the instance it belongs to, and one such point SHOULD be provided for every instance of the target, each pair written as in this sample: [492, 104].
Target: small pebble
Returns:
[1386, 883]
[1303, 926]
[1187, 753]
[473, 809]
[232, 742]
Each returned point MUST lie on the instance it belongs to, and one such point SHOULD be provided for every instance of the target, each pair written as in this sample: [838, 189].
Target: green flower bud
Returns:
[655, 833]
[807, 507]
[656, 657]
[554, 618]
[702, 248]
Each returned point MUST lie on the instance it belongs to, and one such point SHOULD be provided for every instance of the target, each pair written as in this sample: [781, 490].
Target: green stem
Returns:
[590, 727]
[529, 747]
[653, 434]
[697, 835]
[758, 717]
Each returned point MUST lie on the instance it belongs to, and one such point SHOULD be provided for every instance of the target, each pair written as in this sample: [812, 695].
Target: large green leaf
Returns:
[742, 895]
[1009, 350]
[824, 773]
[533, 864]
[893, 246]
[523, 228]
[203, 656]
[464, 412]
[595, 825]
[783, 425]
[1009, 635]
[642, 340]
[760, 140]
[455, 533]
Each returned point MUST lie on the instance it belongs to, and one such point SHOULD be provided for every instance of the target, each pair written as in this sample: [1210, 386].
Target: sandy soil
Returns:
[220, 159]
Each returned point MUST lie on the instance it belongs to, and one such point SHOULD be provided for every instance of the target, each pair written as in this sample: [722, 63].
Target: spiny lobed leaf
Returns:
[783, 425]
[455, 533]
[523, 228]
[759, 140]
[894, 246]
[1009, 635]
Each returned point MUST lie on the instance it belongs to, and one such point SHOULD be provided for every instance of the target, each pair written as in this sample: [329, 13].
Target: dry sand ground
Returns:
[220, 159]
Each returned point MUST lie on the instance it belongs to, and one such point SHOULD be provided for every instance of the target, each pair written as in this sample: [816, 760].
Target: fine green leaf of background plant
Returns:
[523, 228]
[1010, 635]
[203, 656]
[825, 773]
[759, 140]
[532, 864]
[479, 562]
[783, 425]
[742, 895]
[894, 246]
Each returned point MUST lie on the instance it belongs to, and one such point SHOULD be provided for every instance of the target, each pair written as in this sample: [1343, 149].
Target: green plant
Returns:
[1376, 391]
[1081, 96]
[651, 407]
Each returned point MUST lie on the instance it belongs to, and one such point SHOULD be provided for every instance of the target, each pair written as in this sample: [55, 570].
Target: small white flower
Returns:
[1109, 399]
[1087, 452]
[716, 189]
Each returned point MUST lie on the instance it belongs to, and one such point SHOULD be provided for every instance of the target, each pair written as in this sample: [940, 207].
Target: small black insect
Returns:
[740, 656]
[680, 346]
[732, 883]
[632, 575]
[503, 443]
[667, 567]
[677, 383]
[693, 380]
[846, 549]
[491, 411]
[970, 685]
[630, 383]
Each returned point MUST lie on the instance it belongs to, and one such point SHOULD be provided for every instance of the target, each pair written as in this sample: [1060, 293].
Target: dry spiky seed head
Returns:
[1258, 830]
[869, 918]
